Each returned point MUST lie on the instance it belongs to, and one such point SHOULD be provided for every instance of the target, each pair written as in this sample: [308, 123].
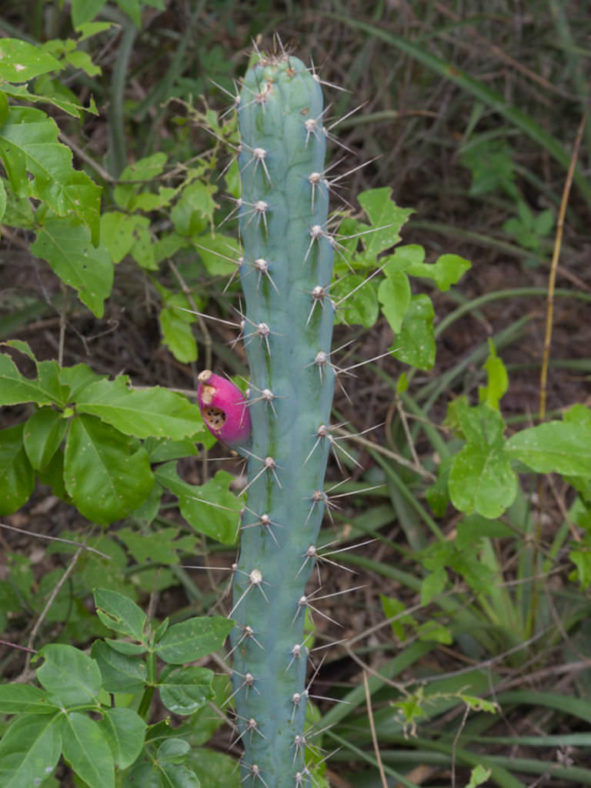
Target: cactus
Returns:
[285, 273]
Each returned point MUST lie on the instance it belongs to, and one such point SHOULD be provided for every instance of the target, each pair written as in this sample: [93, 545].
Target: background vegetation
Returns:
[464, 658]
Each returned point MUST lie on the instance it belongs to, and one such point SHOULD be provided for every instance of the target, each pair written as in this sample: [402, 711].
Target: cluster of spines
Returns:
[285, 272]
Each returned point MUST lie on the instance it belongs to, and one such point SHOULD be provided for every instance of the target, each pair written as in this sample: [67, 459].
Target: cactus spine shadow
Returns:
[285, 274]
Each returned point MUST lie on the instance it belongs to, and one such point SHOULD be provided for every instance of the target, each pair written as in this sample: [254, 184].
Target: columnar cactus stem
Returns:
[286, 274]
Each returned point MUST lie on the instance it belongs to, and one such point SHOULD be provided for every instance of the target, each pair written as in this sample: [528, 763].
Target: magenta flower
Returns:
[224, 408]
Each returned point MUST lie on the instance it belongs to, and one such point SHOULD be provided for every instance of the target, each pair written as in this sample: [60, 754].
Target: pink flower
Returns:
[224, 408]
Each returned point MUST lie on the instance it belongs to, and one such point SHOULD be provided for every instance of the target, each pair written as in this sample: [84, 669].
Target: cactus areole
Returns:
[285, 273]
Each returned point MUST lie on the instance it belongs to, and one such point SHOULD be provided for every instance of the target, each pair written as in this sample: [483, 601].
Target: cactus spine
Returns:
[285, 273]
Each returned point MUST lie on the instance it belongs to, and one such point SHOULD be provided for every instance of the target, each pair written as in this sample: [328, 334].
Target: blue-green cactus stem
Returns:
[285, 274]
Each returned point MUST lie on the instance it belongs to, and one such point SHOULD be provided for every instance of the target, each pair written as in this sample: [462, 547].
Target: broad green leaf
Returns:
[481, 480]
[214, 769]
[21, 61]
[120, 613]
[165, 450]
[555, 447]
[76, 379]
[385, 215]
[446, 271]
[145, 169]
[394, 295]
[68, 250]
[155, 412]
[194, 211]
[395, 609]
[70, 675]
[30, 750]
[84, 11]
[480, 424]
[357, 300]
[433, 585]
[177, 334]
[185, 690]
[497, 379]
[142, 250]
[82, 60]
[415, 343]
[193, 639]
[120, 672]
[478, 775]
[125, 732]
[50, 91]
[210, 508]
[17, 480]
[18, 698]
[29, 147]
[87, 750]
[42, 435]
[15, 388]
[88, 29]
[53, 91]
[219, 253]
[159, 547]
[118, 232]
[107, 473]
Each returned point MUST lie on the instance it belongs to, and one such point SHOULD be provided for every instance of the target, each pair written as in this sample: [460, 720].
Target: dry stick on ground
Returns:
[372, 727]
[548, 343]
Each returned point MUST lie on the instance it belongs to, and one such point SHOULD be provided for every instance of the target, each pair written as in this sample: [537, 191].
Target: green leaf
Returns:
[433, 585]
[478, 775]
[16, 388]
[42, 435]
[415, 344]
[219, 253]
[145, 169]
[554, 447]
[177, 333]
[159, 546]
[29, 147]
[120, 672]
[70, 675]
[210, 508]
[30, 750]
[193, 639]
[194, 211]
[87, 750]
[446, 271]
[186, 690]
[76, 378]
[21, 61]
[17, 480]
[383, 213]
[81, 60]
[394, 295]
[107, 473]
[120, 613]
[118, 232]
[394, 608]
[214, 769]
[19, 698]
[155, 412]
[498, 380]
[68, 250]
[481, 480]
[357, 298]
[84, 11]
[125, 732]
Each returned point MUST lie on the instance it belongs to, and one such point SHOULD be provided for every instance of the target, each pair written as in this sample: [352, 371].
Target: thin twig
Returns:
[55, 539]
[58, 587]
[554, 266]
[372, 727]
